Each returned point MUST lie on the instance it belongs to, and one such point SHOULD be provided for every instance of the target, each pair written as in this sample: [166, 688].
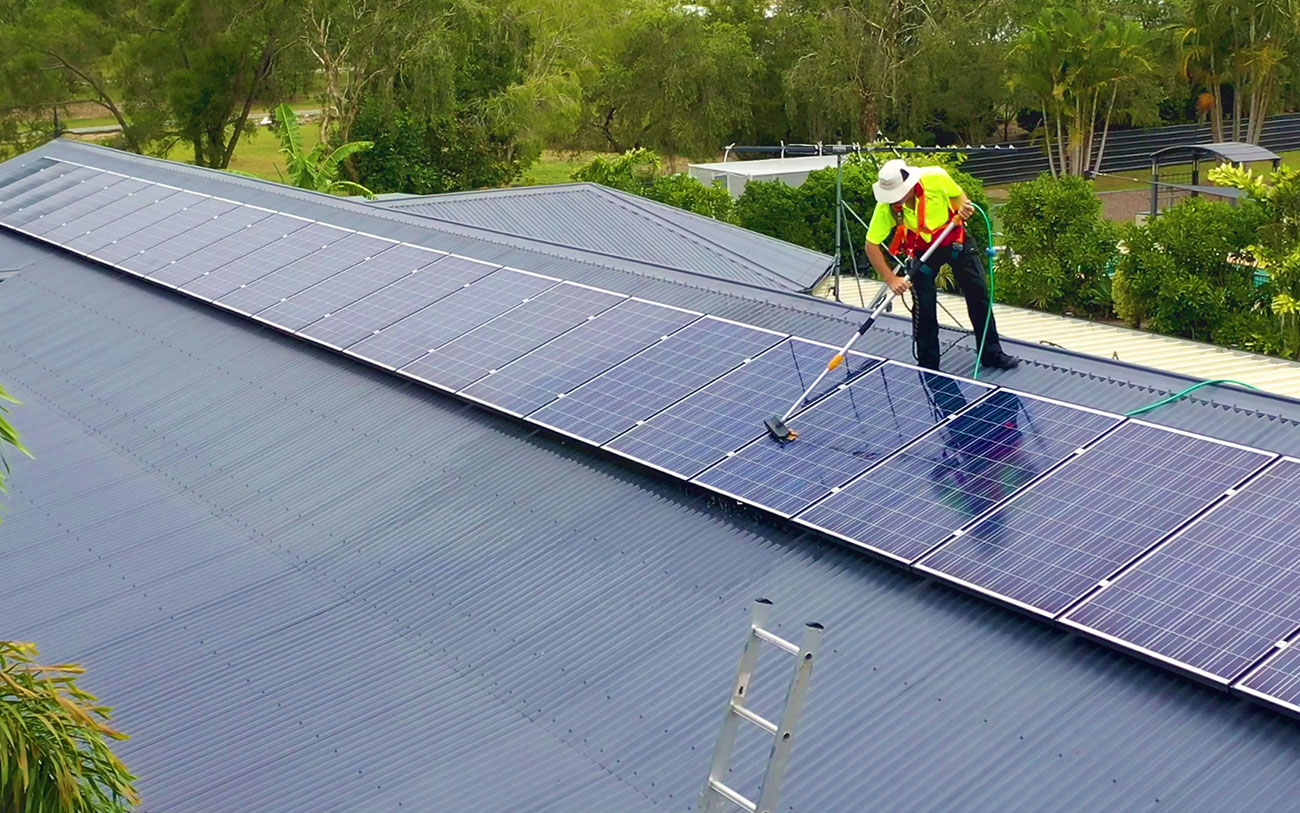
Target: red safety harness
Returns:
[916, 242]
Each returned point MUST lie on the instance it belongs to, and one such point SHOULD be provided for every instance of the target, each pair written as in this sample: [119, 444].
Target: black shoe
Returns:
[1000, 361]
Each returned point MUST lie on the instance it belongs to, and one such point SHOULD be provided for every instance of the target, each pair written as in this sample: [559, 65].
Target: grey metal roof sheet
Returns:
[607, 221]
[308, 585]
[1234, 151]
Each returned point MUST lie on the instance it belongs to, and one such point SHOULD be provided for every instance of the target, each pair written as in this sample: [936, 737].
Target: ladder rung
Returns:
[732, 796]
[762, 722]
[776, 640]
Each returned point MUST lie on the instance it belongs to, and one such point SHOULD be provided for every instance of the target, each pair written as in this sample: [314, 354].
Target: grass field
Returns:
[258, 153]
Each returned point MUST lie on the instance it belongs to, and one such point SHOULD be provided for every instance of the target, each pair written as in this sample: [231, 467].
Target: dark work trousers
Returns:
[969, 272]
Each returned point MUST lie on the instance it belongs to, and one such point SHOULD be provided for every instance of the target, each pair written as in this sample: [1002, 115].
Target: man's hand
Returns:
[965, 210]
[898, 284]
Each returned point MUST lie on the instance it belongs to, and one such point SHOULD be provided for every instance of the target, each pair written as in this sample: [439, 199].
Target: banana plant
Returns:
[318, 168]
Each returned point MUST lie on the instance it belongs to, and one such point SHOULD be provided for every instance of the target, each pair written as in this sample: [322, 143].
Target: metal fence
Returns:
[1126, 150]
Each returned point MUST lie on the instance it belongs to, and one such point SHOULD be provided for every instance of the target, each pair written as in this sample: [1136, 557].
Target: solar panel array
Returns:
[1180, 548]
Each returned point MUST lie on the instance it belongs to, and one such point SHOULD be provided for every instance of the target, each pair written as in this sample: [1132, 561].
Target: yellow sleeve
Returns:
[882, 223]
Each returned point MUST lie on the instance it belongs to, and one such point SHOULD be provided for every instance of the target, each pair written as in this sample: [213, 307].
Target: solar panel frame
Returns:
[543, 310]
[398, 341]
[571, 368]
[423, 286]
[1179, 543]
[925, 565]
[639, 358]
[911, 449]
[295, 277]
[349, 286]
[1275, 680]
[725, 442]
[764, 446]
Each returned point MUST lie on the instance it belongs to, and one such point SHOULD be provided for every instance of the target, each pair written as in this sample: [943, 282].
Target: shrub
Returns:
[1177, 277]
[638, 171]
[1060, 247]
[776, 209]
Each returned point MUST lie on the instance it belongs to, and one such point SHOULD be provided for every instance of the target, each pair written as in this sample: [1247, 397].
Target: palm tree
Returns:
[318, 168]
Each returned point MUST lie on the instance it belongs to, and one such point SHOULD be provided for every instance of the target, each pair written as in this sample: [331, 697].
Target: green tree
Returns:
[1276, 242]
[640, 172]
[1082, 68]
[1059, 247]
[676, 82]
[316, 168]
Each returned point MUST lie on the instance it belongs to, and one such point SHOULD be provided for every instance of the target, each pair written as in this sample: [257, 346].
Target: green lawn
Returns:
[258, 153]
[553, 167]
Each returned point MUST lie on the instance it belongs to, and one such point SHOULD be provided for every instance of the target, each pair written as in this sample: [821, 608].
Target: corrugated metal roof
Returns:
[609, 222]
[308, 585]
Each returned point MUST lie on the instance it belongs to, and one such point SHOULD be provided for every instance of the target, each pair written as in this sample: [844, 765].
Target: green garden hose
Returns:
[1132, 413]
[991, 253]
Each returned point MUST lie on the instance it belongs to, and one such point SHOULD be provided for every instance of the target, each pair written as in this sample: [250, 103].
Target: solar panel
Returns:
[660, 376]
[349, 285]
[434, 325]
[919, 497]
[257, 234]
[245, 270]
[576, 357]
[300, 275]
[719, 419]
[48, 196]
[841, 436]
[75, 201]
[348, 325]
[1277, 680]
[164, 262]
[16, 174]
[150, 240]
[126, 216]
[1218, 596]
[466, 359]
[1056, 540]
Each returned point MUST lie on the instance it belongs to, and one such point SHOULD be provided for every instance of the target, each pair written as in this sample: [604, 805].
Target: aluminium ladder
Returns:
[716, 791]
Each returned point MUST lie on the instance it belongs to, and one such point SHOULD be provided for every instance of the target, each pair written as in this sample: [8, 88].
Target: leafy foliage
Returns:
[1276, 241]
[54, 754]
[318, 168]
[1059, 247]
[639, 171]
[1178, 275]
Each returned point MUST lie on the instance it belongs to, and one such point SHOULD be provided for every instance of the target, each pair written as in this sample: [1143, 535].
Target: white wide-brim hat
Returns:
[895, 181]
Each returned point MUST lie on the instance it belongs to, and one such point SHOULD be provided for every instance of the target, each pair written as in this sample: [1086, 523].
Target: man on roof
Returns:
[915, 204]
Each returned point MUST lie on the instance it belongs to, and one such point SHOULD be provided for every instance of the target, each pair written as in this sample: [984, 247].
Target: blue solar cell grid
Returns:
[434, 325]
[239, 272]
[73, 202]
[302, 274]
[578, 356]
[27, 205]
[719, 419]
[348, 325]
[20, 178]
[1059, 539]
[184, 257]
[1219, 596]
[467, 358]
[126, 216]
[348, 286]
[840, 437]
[663, 374]
[918, 498]
[127, 252]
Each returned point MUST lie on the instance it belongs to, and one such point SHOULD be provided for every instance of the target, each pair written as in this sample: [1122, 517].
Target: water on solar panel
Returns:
[1217, 597]
[1059, 538]
[660, 376]
[841, 436]
[463, 360]
[73, 202]
[578, 356]
[918, 498]
[126, 216]
[193, 210]
[246, 253]
[697, 432]
[172, 262]
[345, 327]
[28, 178]
[26, 207]
[434, 325]
[348, 286]
[301, 274]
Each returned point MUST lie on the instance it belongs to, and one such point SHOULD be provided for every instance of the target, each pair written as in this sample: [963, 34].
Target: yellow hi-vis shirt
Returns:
[939, 188]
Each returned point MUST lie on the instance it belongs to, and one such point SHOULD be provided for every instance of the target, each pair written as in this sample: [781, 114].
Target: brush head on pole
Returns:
[778, 430]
